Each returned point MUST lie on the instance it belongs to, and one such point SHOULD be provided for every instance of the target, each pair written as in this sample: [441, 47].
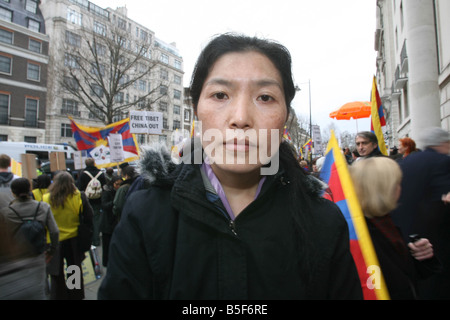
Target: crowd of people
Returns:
[57, 204]
[214, 230]
[402, 194]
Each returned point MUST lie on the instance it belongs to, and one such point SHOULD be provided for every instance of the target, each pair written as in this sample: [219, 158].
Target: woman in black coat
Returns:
[108, 220]
[247, 228]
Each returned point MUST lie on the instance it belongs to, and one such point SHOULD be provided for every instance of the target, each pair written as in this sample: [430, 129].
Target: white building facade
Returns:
[413, 65]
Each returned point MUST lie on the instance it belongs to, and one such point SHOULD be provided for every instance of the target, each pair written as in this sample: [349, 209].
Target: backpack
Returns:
[94, 187]
[32, 231]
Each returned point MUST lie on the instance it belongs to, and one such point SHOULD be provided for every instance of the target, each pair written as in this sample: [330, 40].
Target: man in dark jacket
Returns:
[96, 204]
[175, 241]
[367, 145]
[426, 178]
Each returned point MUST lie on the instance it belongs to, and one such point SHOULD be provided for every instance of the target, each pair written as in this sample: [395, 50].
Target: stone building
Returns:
[23, 71]
[413, 65]
[70, 24]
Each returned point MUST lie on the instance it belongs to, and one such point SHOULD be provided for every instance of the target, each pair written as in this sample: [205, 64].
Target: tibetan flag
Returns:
[336, 174]
[95, 142]
[307, 147]
[286, 135]
[378, 122]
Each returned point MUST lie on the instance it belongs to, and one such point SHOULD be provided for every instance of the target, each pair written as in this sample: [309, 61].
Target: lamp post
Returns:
[310, 112]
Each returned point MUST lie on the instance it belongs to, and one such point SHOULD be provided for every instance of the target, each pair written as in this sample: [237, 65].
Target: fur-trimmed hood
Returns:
[157, 166]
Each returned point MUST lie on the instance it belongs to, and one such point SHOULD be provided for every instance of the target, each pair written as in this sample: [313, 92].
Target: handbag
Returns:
[85, 228]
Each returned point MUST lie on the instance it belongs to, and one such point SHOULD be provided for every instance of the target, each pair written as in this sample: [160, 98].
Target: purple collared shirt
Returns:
[218, 187]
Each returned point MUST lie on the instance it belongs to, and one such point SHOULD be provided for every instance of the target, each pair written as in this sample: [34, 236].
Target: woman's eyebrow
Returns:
[257, 82]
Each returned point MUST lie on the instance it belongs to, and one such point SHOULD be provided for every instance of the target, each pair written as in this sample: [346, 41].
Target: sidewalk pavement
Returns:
[91, 289]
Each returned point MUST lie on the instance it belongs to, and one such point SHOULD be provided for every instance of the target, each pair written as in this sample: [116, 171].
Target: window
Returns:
[35, 46]
[70, 83]
[176, 109]
[71, 61]
[31, 110]
[177, 94]
[119, 97]
[177, 79]
[73, 39]
[99, 28]
[177, 64]
[96, 113]
[3, 137]
[144, 35]
[163, 89]
[142, 85]
[5, 14]
[164, 58]
[34, 25]
[96, 90]
[187, 115]
[30, 139]
[100, 49]
[74, 17]
[31, 6]
[70, 107]
[122, 24]
[162, 106]
[5, 64]
[6, 36]
[165, 125]
[176, 124]
[98, 69]
[4, 108]
[66, 130]
[33, 71]
[164, 75]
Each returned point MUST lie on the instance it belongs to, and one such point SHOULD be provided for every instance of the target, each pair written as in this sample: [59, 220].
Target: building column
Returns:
[424, 99]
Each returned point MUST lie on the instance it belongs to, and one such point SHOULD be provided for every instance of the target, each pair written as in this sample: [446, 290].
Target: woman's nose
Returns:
[241, 113]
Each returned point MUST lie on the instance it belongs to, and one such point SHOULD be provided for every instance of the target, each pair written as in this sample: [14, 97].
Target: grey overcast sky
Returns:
[331, 42]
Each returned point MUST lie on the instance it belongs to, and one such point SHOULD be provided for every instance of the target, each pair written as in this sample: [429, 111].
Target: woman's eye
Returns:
[220, 96]
[265, 98]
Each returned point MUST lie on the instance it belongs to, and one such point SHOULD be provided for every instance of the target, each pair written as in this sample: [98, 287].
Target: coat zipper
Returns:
[233, 227]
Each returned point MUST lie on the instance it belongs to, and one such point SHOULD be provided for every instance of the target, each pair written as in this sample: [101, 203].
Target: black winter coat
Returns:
[108, 221]
[401, 273]
[174, 242]
[84, 180]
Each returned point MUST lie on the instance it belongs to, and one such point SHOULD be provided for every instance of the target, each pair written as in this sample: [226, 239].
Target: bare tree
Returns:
[102, 67]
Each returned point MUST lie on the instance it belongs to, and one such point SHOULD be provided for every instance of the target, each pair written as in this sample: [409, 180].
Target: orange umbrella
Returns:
[353, 110]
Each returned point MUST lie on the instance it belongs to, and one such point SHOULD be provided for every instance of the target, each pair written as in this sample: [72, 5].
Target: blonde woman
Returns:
[66, 203]
[377, 184]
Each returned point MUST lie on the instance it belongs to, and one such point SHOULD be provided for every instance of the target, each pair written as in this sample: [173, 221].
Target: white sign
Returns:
[317, 139]
[116, 147]
[146, 122]
[78, 160]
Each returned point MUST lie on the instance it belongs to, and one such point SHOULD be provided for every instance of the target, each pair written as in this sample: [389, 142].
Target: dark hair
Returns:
[5, 161]
[294, 174]
[43, 181]
[113, 180]
[20, 187]
[129, 171]
[368, 135]
[228, 43]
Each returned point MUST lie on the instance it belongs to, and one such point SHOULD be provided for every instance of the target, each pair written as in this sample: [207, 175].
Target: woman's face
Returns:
[401, 148]
[242, 95]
